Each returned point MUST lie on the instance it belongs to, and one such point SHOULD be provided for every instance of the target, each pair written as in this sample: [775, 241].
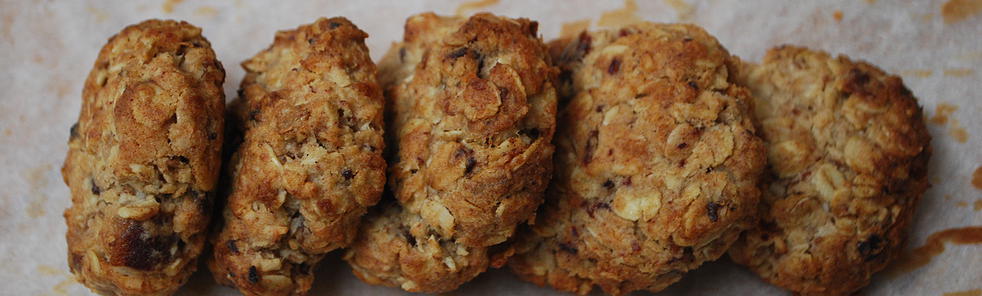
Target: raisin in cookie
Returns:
[143, 160]
[472, 104]
[657, 162]
[848, 152]
[310, 164]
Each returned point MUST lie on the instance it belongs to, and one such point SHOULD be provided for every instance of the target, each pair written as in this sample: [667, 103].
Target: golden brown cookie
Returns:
[657, 162]
[143, 160]
[472, 104]
[848, 153]
[310, 164]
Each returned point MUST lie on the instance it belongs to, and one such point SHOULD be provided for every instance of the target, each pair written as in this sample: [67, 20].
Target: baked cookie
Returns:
[848, 153]
[657, 162]
[472, 104]
[143, 160]
[310, 163]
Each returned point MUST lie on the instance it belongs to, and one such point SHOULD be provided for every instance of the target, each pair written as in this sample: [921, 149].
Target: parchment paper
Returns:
[47, 48]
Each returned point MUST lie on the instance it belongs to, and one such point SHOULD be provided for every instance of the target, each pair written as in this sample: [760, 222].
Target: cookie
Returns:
[143, 160]
[472, 113]
[848, 151]
[657, 162]
[310, 163]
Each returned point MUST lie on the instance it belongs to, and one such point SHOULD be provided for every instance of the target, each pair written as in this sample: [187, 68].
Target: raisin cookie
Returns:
[472, 108]
[310, 163]
[143, 160]
[657, 162]
[848, 153]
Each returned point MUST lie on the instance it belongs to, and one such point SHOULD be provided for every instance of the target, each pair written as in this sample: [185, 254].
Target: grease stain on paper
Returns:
[620, 17]
[934, 246]
[925, 17]
[977, 178]
[36, 178]
[100, 16]
[683, 10]
[958, 132]
[8, 23]
[976, 292]
[206, 11]
[62, 287]
[958, 72]
[971, 56]
[955, 11]
[922, 73]
[941, 113]
[463, 8]
[169, 5]
[573, 28]
[49, 270]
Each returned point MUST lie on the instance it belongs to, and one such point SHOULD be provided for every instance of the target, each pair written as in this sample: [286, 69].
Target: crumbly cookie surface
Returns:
[310, 163]
[143, 160]
[472, 104]
[657, 162]
[848, 152]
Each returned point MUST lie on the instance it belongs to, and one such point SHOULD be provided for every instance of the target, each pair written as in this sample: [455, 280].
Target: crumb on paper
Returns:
[570, 29]
[620, 17]
[977, 205]
[206, 11]
[682, 9]
[837, 15]
[941, 113]
[955, 11]
[976, 292]
[958, 72]
[474, 5]
[169, 5]
[922, 73]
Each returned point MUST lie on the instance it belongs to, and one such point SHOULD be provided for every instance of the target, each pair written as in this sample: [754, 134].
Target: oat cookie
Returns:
[848, 153]
[657, 162]
[310, 163]
[143, 160]
[472, 104]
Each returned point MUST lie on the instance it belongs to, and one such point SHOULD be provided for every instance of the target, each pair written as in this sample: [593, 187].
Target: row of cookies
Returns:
[667, 151]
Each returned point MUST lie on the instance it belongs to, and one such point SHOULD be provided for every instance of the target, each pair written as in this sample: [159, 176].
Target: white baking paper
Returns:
[47, 48]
